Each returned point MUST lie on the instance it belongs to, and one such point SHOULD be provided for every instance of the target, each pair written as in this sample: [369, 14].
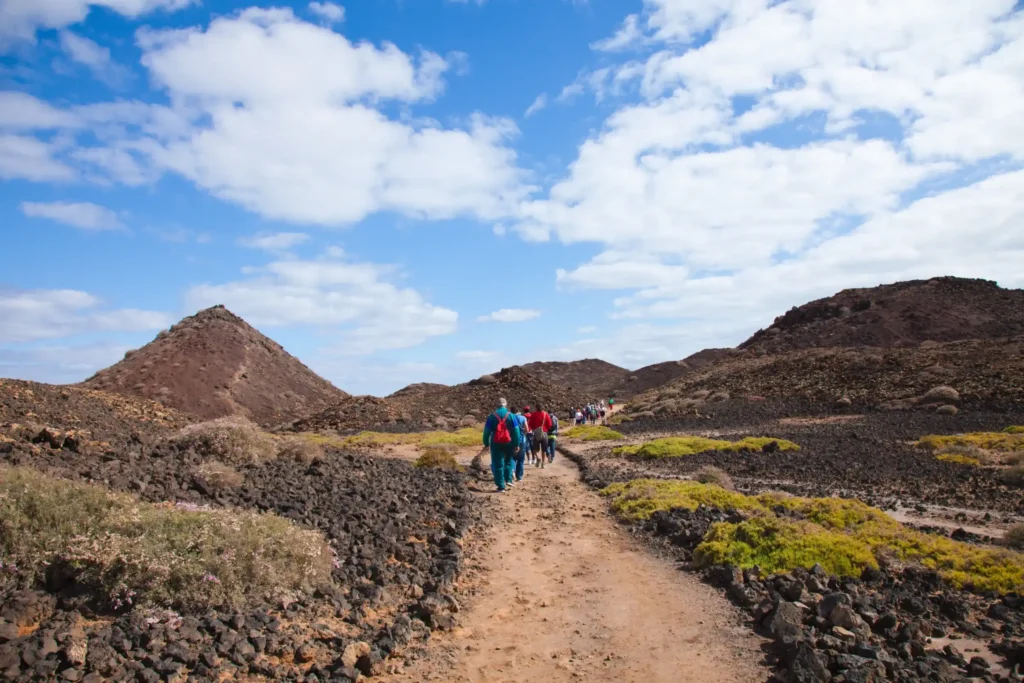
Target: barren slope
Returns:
[590, 375]
[214, 364]
[905, 313]
[659, 374]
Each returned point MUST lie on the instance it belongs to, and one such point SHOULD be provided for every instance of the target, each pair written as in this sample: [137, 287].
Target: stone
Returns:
[844, 634]
[844, 617]
[786, 621]
[353, 652]
[947, 410]
[942, 394]
[805, 665]
[857, 669]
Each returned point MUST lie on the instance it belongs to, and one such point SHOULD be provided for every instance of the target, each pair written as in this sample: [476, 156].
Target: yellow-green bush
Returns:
[777, 545]
[843, 535]
[438, 458]
[126, 552]
[1015, 429]
[989, 441]
[639, 499]
[679, 446]
[592, 433]
[958, 458]
[469, 436]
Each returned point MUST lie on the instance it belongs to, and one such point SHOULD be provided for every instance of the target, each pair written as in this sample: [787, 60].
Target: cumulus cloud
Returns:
[357, 299]
[539, 103]
[280, 241]
[31, 315]
[83, 215]
[19, 19]
[330, 12]
[59, 363]
[94, 56]
[765, 153]
[510, 315]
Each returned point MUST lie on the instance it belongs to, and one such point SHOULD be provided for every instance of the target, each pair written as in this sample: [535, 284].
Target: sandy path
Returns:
[562, 593]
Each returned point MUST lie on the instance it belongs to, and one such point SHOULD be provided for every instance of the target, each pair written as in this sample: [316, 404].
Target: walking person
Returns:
[519, 463]
[503, 436]
[552, 436]
[539, 424]
[529, 437]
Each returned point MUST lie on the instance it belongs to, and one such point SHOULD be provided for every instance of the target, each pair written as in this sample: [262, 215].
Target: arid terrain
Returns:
[839, 500]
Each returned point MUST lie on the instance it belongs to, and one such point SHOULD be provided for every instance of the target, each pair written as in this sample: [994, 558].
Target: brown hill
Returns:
[659, 374]
[418, 389]
[214, 364]
[942, 309]
[590, 375]
[984, 373]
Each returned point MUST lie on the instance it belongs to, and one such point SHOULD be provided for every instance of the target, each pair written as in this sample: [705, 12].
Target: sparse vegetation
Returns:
[593, 433]
[468, 436]
[958, 458]
[1015, 429]
[990, 441]
[714, 475]
[300, 450]
[679, 446]
[438, 457]
[124, 552]
[1015, 537]
[219, 475]
[1013, 475]
[844, 536]
[230, 440]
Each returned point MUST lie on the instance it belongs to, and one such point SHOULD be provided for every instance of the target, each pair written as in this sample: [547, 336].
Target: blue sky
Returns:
[425, 190]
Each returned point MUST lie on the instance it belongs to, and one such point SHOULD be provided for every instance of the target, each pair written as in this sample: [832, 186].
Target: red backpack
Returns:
[501, 434]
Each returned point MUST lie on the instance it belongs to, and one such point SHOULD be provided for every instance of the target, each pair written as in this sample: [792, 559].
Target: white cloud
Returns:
[370, 312]
[280, 241]
[627, 35]
[292, 133]
[59, 364]
[328, 11]
[20, 111]
[31, 315]
[19, 19]
[94, 56]
[510, 315]
[32, 159]
[539, 103]
[84, 215]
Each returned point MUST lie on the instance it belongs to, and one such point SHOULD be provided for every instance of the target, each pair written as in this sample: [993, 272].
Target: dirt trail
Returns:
[562, 593]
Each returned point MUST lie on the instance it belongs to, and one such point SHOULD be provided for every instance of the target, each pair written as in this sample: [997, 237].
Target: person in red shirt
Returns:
[539, 424]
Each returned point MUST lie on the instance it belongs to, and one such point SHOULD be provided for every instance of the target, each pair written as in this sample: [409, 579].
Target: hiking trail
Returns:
[557, 591]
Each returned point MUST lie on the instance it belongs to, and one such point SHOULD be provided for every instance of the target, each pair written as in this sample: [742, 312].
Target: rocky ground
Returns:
[397, 532]
[590, 375]
[214, 364]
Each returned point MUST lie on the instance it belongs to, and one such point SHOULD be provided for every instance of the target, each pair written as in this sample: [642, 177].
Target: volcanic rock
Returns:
[214, 364]
[590, 375]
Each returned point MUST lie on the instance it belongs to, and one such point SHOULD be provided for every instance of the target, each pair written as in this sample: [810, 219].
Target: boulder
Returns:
[787, 621]
[942, 394]
[947, 410]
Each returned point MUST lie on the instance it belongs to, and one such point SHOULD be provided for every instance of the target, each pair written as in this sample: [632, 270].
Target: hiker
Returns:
[579, 417]
[552, 436]
[520, 457]
[539, 424]
[503, 437]
[528, 446]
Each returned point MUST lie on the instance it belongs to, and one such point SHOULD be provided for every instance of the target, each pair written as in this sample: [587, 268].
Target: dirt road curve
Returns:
[561, 593]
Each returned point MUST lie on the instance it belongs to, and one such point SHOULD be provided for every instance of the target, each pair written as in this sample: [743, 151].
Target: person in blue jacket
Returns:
[520, 457]
[502, 455]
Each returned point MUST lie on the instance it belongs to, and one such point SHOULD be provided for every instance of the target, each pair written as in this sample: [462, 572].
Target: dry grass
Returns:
[230, 440]
[714, 475]
[1015, 537]
[1013, 476]
[124, 552]
[219, 475]
[438, 457]
[300, 450]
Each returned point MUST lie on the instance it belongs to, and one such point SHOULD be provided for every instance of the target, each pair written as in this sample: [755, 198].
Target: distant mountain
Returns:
[652, 376]
[942, 309]
[590, 375]
[214, 364]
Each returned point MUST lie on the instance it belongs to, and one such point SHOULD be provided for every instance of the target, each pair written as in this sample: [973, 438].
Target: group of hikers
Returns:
[590, 413]
[518, 437]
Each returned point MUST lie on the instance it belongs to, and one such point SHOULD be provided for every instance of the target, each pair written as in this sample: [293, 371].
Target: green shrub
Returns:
[219, 475]
[438, 458]
[592, 433]
[958, 458]
[786, 532]
[679, 446]
[777, 545]
[232, 440]
[125, 552]
[1016, 429]
[989, 441]
[714, 475]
